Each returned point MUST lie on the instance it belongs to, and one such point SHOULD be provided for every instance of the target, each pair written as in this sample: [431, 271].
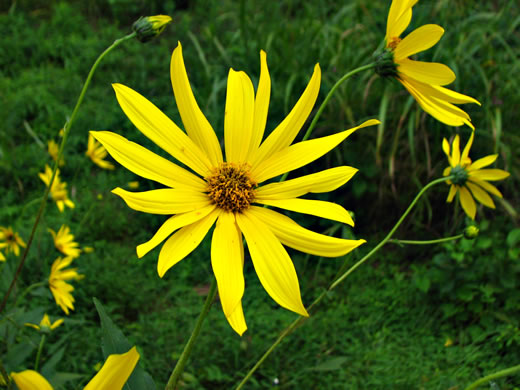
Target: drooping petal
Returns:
[262, 98]
[286, 132]
[300, 154]
[228, 267]
[399, 17]
[448, 95]
[238, 120]
[236, 319]
[418, 40]
[451, 194]
[195, 123]
[483, 162]
[489, 174]
[146, 164]
[115, 372]
[172, 224]
[324, 181]
[481, 195]
[30, 380]
[487, 186]
[467, 202]
[301, 239]
[319, 208]
[427, 72]
[272, 264]
[165, 201]
[184, 241]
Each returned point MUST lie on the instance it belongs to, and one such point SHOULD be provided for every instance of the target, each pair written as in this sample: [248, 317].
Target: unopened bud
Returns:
[148, 27]
[471, 232]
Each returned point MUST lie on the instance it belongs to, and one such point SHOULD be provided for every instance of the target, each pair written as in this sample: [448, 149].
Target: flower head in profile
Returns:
[10, 240]
[53, 150]
[97, 152]
[148, 27]
[469, 178]
[424, 80]
[58, 190]
[64, 242]
[45, 325]
[112, 376]
[225, 190]
[61, 290]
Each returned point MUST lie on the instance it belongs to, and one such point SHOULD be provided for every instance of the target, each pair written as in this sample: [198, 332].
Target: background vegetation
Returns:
[415, 317]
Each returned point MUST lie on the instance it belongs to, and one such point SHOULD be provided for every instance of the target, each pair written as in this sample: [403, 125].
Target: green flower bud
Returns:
[460, 175]
[385, 66]
[471, 232]
[148, 27]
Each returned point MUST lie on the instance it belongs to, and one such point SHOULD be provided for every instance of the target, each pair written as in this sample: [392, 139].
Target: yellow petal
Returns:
[418, 40]
[489, 174]
[228, 267]
[30, 380]
[115, 372]
[467, 203]
[161, 130]
[446, 172]
[195, 123]
[272, 264]
[399, 17]
[427, 72]
[450, 96]
[455, 151]
[446, 150]
[164, 201]
[57, 323]
[183, 242]
[487, 186]
[172, 224]
[481, 195]
[301, 239]
[284, 134]
[324, 181]
[300, 154]
[147, 164]
[465, 152]
[319, 208]
[451, 194]
[236, 319]
[483, 162]
[263, 95]
[238, 120]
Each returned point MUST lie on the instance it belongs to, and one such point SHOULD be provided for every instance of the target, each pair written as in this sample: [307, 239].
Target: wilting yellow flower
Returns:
[45, 324]
[224, 191]
[469, 176]
[53, 150]
[149, 27]
[112, 376]
[58, 190]
[97, 153]
[424, 80]
[64, 242]
[61, 290]
[10, 240]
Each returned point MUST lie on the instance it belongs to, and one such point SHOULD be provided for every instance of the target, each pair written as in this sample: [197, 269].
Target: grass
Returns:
[382, 328]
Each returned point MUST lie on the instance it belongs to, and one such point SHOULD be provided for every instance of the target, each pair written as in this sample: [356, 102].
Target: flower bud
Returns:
[471, 232]
[148, 27]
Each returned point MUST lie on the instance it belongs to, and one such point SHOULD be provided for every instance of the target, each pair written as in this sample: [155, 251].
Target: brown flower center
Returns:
[230, 186]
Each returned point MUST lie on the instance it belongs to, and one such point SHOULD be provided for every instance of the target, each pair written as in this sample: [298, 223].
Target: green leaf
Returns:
[331, 364]
[115, 342]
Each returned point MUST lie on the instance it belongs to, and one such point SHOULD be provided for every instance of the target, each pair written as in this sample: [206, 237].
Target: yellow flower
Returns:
[53, 149]
[88, 249]
[45, 324]
[470, 176]
[424, 80]
[97, 153]
[149, 27]
[224, 191]
[61, 290]
[112, 376]
[11, 241]
[64, 242]
[58, 189]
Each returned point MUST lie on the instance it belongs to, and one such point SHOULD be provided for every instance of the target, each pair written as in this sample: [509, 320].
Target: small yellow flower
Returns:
[424, 80]
[112, 376]
[88, 249]
[61, 290]
[448, 342]
[53, 149]
[222, 192]
[97, 153]
[45, 324]
[64, 242]
[58, 190]
[11, 241]
[470, 178]
[133, 185]
[149, 27]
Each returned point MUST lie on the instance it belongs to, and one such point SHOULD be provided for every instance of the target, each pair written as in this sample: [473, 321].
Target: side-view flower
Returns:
[45, 324]
[64, 241]
[225, 191]
[61, 290]
[58, 190]
[97, 153]
[10, 240]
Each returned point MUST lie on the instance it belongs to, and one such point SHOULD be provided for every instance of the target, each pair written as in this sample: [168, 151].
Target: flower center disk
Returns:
[230, 186]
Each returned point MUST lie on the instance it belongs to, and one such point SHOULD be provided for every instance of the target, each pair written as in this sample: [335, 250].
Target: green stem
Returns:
[66, 132]
[426, 242]
[179, 367]
[39, 353]
[5, 376]
[326, 101]
[496, 375]
[300, 320]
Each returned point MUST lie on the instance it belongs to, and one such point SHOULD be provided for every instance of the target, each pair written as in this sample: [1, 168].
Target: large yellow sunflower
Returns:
[470, 178]
[225, 190]
[424, 80]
